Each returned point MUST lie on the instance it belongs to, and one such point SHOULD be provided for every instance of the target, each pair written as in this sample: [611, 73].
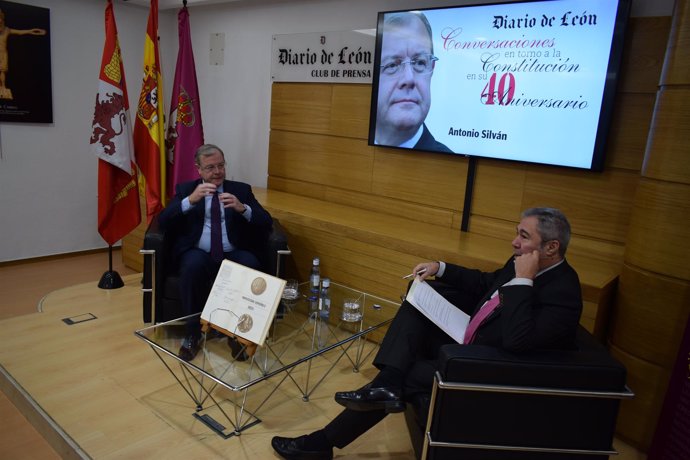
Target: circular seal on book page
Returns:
[258, 286]
[245, 323]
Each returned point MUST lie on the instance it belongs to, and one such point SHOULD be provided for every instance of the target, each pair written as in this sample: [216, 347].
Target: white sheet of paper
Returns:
[434, 306]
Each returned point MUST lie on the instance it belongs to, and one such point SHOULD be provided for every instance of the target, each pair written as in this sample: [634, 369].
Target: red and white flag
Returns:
[185, 130]
[111, 142]
[149, 128]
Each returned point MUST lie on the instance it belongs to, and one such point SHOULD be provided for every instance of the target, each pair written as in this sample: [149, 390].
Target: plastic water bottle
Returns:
[325, 310]
[315, 278]
[324, 313]
[314, 287]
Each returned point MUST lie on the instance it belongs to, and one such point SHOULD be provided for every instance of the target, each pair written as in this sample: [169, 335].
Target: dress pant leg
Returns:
[350, 424]
[197, 272]
[410, 337]
[245, 258]
[420, 378]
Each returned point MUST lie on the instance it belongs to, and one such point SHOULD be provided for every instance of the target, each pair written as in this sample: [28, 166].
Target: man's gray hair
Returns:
[551, 225]
[206, 150]
[405, 18]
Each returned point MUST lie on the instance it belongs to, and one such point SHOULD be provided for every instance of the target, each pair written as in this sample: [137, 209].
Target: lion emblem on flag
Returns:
[109, 121]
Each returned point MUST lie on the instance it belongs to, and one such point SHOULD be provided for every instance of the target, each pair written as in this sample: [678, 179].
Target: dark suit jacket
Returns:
[187, 228]
[545, 315]
[427, 142]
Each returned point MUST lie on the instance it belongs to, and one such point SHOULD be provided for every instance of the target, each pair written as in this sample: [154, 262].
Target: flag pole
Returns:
[110, 279]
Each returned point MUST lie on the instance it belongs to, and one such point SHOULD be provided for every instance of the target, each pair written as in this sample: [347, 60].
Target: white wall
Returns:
[47, 173]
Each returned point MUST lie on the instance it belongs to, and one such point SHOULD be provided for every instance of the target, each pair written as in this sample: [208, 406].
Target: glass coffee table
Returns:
[301, 337]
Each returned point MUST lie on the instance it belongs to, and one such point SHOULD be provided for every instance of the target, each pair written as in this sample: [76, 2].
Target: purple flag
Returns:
[185, 130]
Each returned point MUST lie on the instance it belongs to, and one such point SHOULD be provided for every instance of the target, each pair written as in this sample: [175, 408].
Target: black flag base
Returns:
[110, 280]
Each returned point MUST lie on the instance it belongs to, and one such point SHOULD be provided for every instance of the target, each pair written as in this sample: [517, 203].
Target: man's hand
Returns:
[202, 190]
[426, 269]
[228, 200]
[527, 265]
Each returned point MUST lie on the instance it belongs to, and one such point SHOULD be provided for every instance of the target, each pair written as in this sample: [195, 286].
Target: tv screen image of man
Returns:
[536, 301]
[404, 90]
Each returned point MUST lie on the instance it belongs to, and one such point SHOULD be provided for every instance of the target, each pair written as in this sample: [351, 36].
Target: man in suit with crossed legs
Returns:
[533, 301]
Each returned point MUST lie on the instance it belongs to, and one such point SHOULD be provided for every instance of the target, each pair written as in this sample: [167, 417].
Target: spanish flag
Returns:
[111, 142]
[149, 127]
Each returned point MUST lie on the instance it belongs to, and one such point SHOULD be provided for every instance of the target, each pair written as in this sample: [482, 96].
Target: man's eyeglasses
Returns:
[211, 168]
[422, 64]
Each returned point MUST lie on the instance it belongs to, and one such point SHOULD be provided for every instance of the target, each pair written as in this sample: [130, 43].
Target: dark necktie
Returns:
[488, 307]
[216, 232]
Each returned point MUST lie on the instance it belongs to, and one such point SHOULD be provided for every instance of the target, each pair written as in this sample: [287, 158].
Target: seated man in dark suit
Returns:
[204, 236]
[533, 301]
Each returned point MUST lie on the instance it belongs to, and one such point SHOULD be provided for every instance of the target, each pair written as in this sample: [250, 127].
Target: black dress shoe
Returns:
[369, 398]
[294, 449]
[237, 350]
[189, 348]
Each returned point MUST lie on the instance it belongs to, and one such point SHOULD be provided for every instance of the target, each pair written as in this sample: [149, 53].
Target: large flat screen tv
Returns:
[530, 81]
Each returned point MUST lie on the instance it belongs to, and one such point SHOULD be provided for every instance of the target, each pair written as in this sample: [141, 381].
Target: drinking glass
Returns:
[290, 293]
[352, 310]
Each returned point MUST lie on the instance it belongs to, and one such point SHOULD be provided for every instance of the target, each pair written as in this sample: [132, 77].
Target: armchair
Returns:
[160, 281]
[488, 404]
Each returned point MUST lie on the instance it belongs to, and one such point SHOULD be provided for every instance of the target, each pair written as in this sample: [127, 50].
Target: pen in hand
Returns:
[420, 272]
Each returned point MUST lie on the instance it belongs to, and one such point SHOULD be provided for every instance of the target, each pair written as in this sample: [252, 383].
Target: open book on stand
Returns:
[449, 318]
[243, 302]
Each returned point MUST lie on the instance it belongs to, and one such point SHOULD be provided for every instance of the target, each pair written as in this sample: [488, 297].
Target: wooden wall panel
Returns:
[428, 179]
[336, 161]
[655, 281]
[368, 201]
[671, 137]
[598, 205]
[297, 187]
[597, 249]
[498, 190]
[637, 417]
[643, 56]
[650, 330]
[422, 212]
[677, 65]
[501, 229]
[627, 141]
[658, 239]
[350, 114]
[131, 244]
[334, 109]
[301, 107]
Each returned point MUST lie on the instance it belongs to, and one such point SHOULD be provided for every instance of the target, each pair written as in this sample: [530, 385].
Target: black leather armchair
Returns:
[488, 404]
[160, 281]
